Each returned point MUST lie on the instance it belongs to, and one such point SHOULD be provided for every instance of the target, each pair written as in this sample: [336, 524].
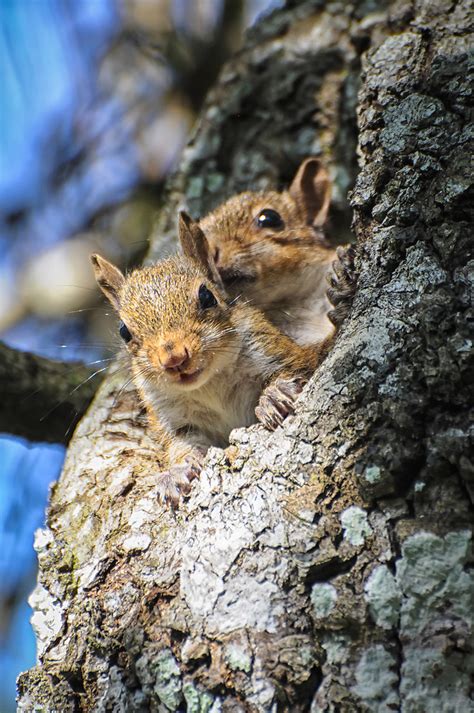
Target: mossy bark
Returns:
[324, 567]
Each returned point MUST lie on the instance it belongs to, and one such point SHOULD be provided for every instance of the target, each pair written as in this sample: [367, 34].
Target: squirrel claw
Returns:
[176, 482]
[278, 401]
[343, 282]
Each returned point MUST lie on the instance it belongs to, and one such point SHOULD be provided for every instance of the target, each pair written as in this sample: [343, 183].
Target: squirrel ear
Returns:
[109, 278]
[195, 246]
[311, 189]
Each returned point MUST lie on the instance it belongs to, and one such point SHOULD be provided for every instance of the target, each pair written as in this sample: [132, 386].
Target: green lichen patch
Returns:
[195, 187]
[197, 701]
[373, 474]
[436, 622]
[375, 480]
[383, 596]
[376, 680]
[168, 680]
[355, 524]
[323, 599]
[336, 646]
[432, 682]
[238, 658]
[432, 578]
[214, 182]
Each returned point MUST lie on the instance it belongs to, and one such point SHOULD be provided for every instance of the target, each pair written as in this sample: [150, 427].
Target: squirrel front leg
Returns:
[184, 455]
[184, 465]
[278, 400]
[279, 397]
[288, 367]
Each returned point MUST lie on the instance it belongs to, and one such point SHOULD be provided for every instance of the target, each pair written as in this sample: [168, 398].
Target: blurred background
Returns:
[97, 98]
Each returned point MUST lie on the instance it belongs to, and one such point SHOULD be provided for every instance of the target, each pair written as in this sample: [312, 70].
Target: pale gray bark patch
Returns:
[325, 567]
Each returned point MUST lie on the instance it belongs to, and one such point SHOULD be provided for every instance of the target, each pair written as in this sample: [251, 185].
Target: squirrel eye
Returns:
[269, 218]
[124, 333]
[206, 298]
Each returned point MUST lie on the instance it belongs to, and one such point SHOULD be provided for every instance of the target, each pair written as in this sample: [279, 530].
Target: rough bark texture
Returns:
[42, 399]
[324, 567]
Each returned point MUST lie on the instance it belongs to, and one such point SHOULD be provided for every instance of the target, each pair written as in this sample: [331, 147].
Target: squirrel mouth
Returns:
[189, 377]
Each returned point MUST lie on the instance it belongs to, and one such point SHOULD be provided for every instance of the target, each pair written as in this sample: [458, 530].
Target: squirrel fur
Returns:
[270, 248]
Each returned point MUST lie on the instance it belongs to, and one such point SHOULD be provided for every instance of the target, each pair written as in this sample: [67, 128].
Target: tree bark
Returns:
[325, 567]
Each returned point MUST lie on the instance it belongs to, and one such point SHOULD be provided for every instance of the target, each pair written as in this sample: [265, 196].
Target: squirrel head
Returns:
[256, 239]
[175, 318]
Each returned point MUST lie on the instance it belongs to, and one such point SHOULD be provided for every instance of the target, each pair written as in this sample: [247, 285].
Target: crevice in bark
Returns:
[74, 679]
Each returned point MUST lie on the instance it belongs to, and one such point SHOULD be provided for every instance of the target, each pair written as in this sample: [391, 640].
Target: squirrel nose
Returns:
[175, 359]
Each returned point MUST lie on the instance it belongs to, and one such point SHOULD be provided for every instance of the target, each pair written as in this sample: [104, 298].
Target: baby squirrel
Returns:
[199, 358]
[270, 248]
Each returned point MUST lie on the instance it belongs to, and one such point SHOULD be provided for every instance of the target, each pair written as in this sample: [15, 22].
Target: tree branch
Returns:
[42, 399]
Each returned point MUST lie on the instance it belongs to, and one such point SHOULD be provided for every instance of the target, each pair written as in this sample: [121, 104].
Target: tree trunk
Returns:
[324, 567]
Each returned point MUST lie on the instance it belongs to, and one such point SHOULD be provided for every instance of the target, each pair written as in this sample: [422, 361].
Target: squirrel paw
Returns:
[176, 481]
[343, 283]
[278, 401]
